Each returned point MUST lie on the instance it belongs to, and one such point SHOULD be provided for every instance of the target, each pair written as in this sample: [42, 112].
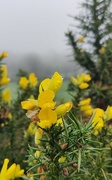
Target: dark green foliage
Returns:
[94, 54]
[96, 26]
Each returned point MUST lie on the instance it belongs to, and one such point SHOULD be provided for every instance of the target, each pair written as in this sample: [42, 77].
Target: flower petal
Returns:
[47, 118]
[63, 108]
[4, 167]
[84, 102]
[56, 82]
[38, 136]
[27, 105]
[33, 80]
[23, 82]
[45, 97]
[44, 85]
[83, 85]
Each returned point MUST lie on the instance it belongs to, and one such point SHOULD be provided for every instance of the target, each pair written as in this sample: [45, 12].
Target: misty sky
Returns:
[33, 34]
[35, 25]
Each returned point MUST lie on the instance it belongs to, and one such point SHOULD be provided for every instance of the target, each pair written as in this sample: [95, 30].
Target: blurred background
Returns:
[33, 34]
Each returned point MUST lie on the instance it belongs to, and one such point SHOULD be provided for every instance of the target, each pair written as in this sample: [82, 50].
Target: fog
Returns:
[33, 34]
[43, 66]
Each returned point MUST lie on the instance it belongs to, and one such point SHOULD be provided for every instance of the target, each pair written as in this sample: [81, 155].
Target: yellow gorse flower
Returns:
[63, 108]
[62, 159]
[84, 102]
[37, 154]
[100, 117]
[32, 81]
[47, 117]
[81, 39]
[108, 113]
[53, 84]
[23, 82]
[43, 110]
[38, 136]
[46, 113]
[102, 50]
[89, 111]
[59, 122]
[31, 130]
[4, 79]
[6, 96]
[86, 107]
[3, 55]
[45, 99]
[83, 85]
[14, 171]
[81, 80]
[97, 121]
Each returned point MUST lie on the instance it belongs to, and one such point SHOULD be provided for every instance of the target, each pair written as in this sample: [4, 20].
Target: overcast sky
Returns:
[35, 25]
[33, 33]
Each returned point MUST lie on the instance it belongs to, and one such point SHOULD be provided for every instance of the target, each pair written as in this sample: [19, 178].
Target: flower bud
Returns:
[62, 159]
[65, 172]
[75, 166]
[64, 146]
[63, 108]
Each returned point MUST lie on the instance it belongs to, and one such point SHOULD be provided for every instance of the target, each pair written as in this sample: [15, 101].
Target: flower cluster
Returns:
[97, 121]
[14, 171]
[86, 107]
[100, 118]
[81, 80]
[31, 81]
[44, 110]
[5, 95]
[3, 55]
[4, 79]
[63, 146]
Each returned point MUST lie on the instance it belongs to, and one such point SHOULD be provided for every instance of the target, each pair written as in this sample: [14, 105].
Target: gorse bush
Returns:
[42, 138]
[91, 43]
[13, 123]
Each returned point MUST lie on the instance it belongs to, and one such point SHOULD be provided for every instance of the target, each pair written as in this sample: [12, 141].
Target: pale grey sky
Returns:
[35, 25]
[33, 33]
